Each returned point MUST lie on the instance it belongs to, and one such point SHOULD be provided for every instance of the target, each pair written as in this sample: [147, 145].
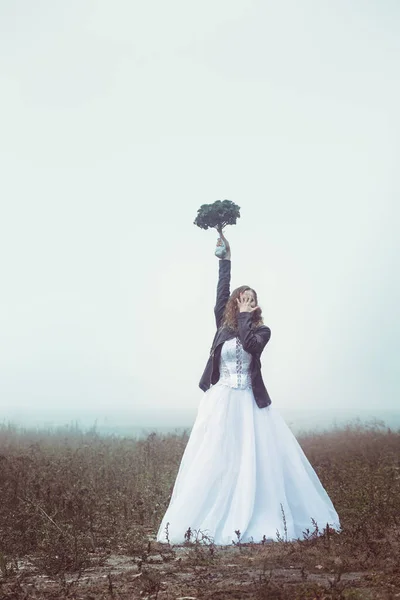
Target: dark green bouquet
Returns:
[218, 215]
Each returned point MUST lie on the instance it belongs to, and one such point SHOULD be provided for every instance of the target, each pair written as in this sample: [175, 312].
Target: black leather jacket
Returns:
[253, 340]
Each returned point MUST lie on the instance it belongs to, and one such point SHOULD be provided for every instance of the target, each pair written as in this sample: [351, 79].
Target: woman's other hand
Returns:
[247, 302]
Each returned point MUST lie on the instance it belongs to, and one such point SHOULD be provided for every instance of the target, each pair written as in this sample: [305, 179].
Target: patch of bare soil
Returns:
[192, 572]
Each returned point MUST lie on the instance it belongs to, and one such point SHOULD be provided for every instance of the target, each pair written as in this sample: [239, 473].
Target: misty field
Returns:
[79, 513]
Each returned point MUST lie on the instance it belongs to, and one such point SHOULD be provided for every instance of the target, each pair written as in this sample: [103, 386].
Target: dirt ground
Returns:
[194, 572]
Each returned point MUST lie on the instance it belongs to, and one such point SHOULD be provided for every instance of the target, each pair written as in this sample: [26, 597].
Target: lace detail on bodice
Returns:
[235, 365]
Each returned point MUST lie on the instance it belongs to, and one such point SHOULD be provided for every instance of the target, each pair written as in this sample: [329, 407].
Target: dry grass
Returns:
[73, 502]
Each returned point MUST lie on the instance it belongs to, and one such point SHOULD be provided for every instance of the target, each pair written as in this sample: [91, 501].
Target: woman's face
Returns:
[251, 295]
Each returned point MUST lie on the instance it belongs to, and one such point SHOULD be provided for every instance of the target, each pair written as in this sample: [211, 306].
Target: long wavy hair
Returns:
[231, 311]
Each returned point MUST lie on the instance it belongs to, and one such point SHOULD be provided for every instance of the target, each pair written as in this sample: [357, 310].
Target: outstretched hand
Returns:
[244, 304]
[221, 239]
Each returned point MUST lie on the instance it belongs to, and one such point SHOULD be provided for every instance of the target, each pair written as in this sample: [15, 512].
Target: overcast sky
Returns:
[119, 119]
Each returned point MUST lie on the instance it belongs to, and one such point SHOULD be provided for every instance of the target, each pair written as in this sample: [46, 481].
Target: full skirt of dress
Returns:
[244, 471]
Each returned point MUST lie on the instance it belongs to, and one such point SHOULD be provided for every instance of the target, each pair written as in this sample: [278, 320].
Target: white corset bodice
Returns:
[235, 365]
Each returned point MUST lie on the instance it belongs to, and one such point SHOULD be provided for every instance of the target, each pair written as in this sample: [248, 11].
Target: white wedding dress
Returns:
[243, 468]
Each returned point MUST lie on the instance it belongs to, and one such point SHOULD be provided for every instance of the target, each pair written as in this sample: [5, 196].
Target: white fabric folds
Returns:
[243, 465]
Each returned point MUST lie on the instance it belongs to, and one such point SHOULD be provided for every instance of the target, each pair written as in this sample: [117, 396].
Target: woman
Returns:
[243, 473]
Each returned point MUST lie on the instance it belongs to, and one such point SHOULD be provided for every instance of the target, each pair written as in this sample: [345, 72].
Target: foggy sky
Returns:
[119, 119]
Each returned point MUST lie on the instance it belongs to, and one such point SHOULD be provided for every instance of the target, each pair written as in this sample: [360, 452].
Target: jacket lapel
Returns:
[222, 336]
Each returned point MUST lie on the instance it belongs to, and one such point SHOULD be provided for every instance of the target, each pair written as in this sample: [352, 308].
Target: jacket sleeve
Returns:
[223, 290]
[253, 340]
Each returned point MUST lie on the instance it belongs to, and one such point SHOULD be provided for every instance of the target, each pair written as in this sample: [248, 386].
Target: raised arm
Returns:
[224, 280]
[223, 289]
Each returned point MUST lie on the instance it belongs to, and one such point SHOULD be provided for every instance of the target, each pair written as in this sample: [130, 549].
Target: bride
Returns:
[243, 474]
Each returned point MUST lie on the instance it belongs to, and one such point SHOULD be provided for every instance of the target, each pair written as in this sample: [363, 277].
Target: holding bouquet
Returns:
[218, 215]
